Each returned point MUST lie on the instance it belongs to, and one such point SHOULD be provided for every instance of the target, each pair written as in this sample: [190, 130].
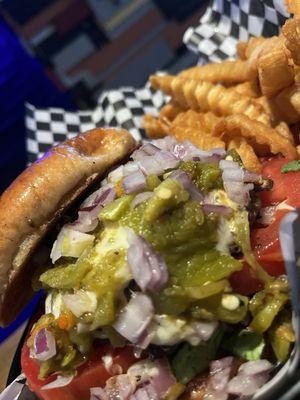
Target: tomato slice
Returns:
[91, 374]
[266, 246]
[245, 282]
[285, 186]
[272, 170]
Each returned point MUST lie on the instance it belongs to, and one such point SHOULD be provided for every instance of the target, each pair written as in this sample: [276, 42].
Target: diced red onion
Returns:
[150, 166]
[129, 168]
[98, 393]
[228, 164]
[205, 329]
[61, 381]
[233, 174]
[166, 159]
[179, 151]
[220, 372]
[167, 143]
[246, 385]
[267, 215]
[251, 376]
[183, 178]
[144, 340]
[255, 367]
[140, 198]
[194, 153]
[238, 192]
[148, 268]
[88, 213]
[135, 317]
[164, 379]
[224, 211]
[44, 345]
[134, 183]
[116, 174]
[146, 392]
[147, 149]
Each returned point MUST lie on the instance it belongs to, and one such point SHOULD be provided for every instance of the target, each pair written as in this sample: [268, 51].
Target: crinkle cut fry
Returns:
[246, 152]
[196, 127]
[224, 72]
[193, 119]
[170, 111]
[255, 133]
[249, 89]
[286, 105]
[241, 50]
[291, 33]
[275, 70]
[293, 7]
[204, 96]
[155, 128]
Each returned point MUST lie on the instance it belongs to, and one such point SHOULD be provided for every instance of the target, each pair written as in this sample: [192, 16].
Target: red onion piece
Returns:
[251, 376]
[44, 345]
[140, 198]
[205, 329]
[129, 168]
[224, 211]
[164, 379]
[61, 381]
[194, 153]
[166, 160]
[135, 317]
[148, 268]
[134, 183]
[146, 392]
[150, 166]
[147, 149]
[267, 215]
[226, 164]
[246, 385]
[167, 143]
[186, 182]
[218, 379]
[90, 208]
[255, 367]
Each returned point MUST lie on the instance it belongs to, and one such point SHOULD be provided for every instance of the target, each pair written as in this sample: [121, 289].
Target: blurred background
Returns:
[64, 53]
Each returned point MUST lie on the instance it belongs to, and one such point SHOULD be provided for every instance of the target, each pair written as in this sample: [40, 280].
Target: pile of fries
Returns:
[251, 104]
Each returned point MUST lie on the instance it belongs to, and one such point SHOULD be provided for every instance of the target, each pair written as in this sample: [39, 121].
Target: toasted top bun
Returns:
[38, 197]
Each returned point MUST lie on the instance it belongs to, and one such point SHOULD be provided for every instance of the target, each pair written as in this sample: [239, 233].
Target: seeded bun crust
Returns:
[36, 200]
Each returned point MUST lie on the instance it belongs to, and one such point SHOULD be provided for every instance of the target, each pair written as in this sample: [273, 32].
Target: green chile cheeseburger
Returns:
[142, 277]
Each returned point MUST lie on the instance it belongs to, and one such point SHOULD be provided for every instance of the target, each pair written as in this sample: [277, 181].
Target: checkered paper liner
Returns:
[224, 23]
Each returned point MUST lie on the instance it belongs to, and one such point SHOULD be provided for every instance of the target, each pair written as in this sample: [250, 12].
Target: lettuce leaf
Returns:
[246, 344]
[189, 361]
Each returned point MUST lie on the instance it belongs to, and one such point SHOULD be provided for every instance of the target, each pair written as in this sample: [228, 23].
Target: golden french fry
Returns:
[246, 152]
[241, 50]
[203, 121]
[291, 33]
[249, 89]
[261, 137]
[224, 72]
[283, 129]
[259, 46]
[170, 111]
[286, 105]
[204, 96]
[275, 71]
[293, 7]
[197, 128]
[154, 127]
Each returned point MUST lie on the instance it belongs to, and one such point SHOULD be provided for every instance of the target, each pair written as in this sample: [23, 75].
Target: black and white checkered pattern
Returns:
[116, 108]
[224, 23]
[228, 21]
